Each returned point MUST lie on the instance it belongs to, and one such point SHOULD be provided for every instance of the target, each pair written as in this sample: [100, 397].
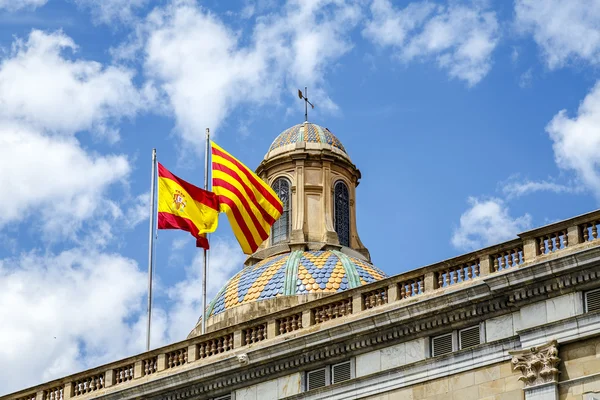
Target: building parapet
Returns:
[537, 246]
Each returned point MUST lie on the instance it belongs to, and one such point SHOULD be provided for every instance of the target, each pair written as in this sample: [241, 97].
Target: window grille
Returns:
[441, 345]
[225, 397]
[592, 300]
[281, 227]
[316, 379]
[341, 372]
[469, 337]
[341, 212]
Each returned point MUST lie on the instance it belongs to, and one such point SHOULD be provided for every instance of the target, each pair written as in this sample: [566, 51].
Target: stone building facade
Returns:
[309, 316]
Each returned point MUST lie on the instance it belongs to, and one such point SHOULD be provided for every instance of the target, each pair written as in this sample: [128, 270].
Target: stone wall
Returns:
[495, 382]
[580, 370]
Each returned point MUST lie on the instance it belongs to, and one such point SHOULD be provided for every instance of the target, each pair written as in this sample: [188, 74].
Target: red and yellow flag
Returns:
[252, 207]
[182, 205]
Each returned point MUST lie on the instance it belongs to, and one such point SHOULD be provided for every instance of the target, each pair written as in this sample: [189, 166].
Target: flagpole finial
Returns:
[304, 96]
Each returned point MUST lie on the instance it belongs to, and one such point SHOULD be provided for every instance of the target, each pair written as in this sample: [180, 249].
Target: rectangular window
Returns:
[441, 344]
[316, 379]
[592, 300]
[225, 397]
[329, 375]
[469, 337]
[341, 372]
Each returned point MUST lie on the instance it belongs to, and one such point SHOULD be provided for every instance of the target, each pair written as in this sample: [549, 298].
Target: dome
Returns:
[295, 273]
[308, 133]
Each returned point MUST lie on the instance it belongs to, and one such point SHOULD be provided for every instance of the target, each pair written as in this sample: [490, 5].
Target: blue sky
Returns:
[470, 120]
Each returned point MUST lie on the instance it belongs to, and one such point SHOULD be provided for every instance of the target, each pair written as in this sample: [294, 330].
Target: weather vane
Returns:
[306, 102]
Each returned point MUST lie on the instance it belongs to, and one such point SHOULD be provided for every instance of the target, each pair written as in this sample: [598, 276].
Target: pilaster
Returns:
[486, 266]
[271, 328]
[529, 249]
[430, 282]
[192, 353]
[237, 339]
[357, 303]
[306, 318]
[137, 369]
[574, 235]
[539, 370]
[393, 293]
[161, 363]
[109, 378]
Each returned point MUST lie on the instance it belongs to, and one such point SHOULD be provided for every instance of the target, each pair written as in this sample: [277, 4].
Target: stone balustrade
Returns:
[508, 258]
[289, 324]
[332, 310]
[412, 287]
[215, 346]
[88, 385]
[533, 246]
[149, 366]
[375, 298]
[255, 334]
[123, 374]
[176, 358]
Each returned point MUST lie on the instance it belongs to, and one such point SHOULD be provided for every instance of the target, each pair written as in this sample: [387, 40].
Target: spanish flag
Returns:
[182, 205]
[252, 207]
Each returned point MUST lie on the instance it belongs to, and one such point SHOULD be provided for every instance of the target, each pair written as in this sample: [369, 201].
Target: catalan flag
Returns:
[182, 205]
[252, 207]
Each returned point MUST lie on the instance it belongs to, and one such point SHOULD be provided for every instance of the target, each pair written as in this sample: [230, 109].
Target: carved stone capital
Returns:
[538, 365]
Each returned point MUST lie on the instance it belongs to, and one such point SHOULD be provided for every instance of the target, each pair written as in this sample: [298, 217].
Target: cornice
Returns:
[384, 326]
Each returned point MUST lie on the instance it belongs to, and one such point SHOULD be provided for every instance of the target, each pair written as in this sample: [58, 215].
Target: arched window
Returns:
[281, 227]
[341, 212]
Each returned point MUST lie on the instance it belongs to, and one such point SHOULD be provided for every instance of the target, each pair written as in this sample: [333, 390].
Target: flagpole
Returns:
[151, 246]
[204, 266]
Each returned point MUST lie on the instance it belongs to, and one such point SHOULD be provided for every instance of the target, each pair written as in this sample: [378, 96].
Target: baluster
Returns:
[496, 265]
[594, 230]
[585, 231]
[402, 291]
[440, 282]
[542, 245]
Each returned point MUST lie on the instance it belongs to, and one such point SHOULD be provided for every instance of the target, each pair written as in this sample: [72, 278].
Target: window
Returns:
[592, 300]
[341, 212]
[456, 340]
[281, 227]
[225, 397]
[329, 375]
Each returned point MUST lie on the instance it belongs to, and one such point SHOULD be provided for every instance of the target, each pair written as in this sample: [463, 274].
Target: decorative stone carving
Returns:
[243, 359]
[537, 364]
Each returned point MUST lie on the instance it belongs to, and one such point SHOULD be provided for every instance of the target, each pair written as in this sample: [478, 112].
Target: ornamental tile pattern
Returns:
[306, 132]
[319, 271]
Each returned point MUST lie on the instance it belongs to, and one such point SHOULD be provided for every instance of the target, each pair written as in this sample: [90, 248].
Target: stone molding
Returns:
[423, 315]
[538, 365]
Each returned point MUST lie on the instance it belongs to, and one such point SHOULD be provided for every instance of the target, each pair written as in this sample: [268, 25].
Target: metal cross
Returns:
[306, 102]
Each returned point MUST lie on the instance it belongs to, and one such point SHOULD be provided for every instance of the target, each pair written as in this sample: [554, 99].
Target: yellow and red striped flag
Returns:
[182, 205]
[252, 207]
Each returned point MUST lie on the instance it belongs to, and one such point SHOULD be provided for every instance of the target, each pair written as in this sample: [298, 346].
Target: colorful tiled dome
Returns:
[309, 133]
[298, 272]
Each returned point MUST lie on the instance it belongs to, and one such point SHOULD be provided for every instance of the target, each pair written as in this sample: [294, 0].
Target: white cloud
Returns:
[66, 312]
[14, 5]
[108, 11]
[487, 222]
[565, 30]
[461, 38]
[206, 70]
[577, 140]
[526, 78]
[517, 188]
[225, 259]
[44, 87]
[54, 178]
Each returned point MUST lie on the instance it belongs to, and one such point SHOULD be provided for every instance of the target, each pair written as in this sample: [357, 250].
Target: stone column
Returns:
[486, 266]
[538, 366]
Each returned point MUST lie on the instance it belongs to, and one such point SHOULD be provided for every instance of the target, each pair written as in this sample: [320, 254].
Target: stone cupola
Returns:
[310, 164]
